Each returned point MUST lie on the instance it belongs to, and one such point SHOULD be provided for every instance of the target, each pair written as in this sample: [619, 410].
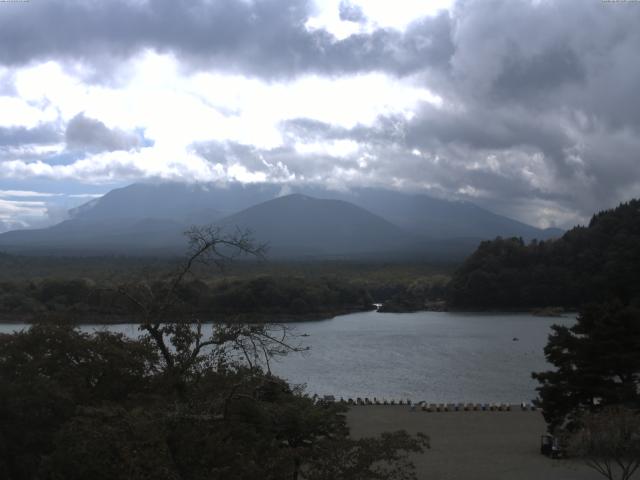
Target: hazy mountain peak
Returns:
[301, 224]
[308, 220]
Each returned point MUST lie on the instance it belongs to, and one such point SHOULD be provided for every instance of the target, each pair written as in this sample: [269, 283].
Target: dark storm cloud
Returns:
[554, 79]
[551, 68]
[19, 136]
[547, 55]
[263, 37]
[86, 133]
[496, 162]
[81, 29]
[482, 129]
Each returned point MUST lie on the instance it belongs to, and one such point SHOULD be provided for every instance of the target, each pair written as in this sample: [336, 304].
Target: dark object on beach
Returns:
[551, 447]
[516, 339]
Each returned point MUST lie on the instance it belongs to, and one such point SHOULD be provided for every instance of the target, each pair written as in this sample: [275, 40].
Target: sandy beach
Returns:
[472, 445]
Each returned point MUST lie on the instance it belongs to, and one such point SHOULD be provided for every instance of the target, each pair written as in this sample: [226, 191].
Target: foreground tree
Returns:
[597, 364]
[47, 373]
[174, 403]
[609, 442]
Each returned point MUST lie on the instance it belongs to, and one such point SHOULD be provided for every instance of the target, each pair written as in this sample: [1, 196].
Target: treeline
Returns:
[262, 297]
[121, 268]
[593, 263]
[267, 295]
[86, 289]
[426, 293]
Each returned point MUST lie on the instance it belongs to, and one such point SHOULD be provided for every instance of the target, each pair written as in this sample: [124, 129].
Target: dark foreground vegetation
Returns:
[101, 406]
[593, 263]
[591, 399]
[597, 364]
[174, 404]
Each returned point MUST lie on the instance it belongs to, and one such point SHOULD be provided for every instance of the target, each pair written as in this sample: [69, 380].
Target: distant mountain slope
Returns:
[436, 218]
[204, 203]
[84, 236]
[293, 226]
[188, 203]
[310, 226]
[151, 217]
[587, 264]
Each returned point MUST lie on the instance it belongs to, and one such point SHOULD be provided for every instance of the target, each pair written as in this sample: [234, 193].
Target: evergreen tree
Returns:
[597, 364]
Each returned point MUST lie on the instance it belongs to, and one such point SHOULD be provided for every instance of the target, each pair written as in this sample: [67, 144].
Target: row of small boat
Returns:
[432, 407]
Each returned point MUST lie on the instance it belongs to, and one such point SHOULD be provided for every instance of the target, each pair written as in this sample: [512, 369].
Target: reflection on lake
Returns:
[432, 356]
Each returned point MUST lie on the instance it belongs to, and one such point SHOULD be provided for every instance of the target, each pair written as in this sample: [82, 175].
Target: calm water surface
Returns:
[432, 356]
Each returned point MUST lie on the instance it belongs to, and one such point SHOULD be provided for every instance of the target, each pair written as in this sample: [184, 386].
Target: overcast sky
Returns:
[530, 108]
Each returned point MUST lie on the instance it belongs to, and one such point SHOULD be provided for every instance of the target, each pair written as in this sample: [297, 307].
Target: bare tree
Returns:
[609, 442]
[178, 336]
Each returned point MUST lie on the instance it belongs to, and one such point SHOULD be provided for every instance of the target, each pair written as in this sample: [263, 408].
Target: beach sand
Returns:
[472, 445]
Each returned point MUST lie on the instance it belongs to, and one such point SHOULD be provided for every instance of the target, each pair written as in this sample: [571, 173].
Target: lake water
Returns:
[432, 356]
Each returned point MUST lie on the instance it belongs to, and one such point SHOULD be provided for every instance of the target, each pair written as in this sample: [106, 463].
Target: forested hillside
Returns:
[85, 289]
[586, 264]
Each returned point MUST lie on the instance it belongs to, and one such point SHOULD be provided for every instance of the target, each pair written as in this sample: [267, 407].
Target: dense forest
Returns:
[90, 289]
[271, 298]
[586, 264]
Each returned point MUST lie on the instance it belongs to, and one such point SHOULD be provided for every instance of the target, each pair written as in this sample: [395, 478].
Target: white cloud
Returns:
[85, 195]
[334, 148]
[26, 193]
[30, 209]
[19, 112]
[153, 162]
[176, 109]
[242, 174]
[21, 206]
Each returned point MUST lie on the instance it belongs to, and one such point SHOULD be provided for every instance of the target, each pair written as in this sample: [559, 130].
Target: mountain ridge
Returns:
[298, 222]
[151, 217]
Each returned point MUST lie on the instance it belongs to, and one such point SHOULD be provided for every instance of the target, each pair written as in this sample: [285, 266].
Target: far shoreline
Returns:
[219, 318]
[275, 318]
